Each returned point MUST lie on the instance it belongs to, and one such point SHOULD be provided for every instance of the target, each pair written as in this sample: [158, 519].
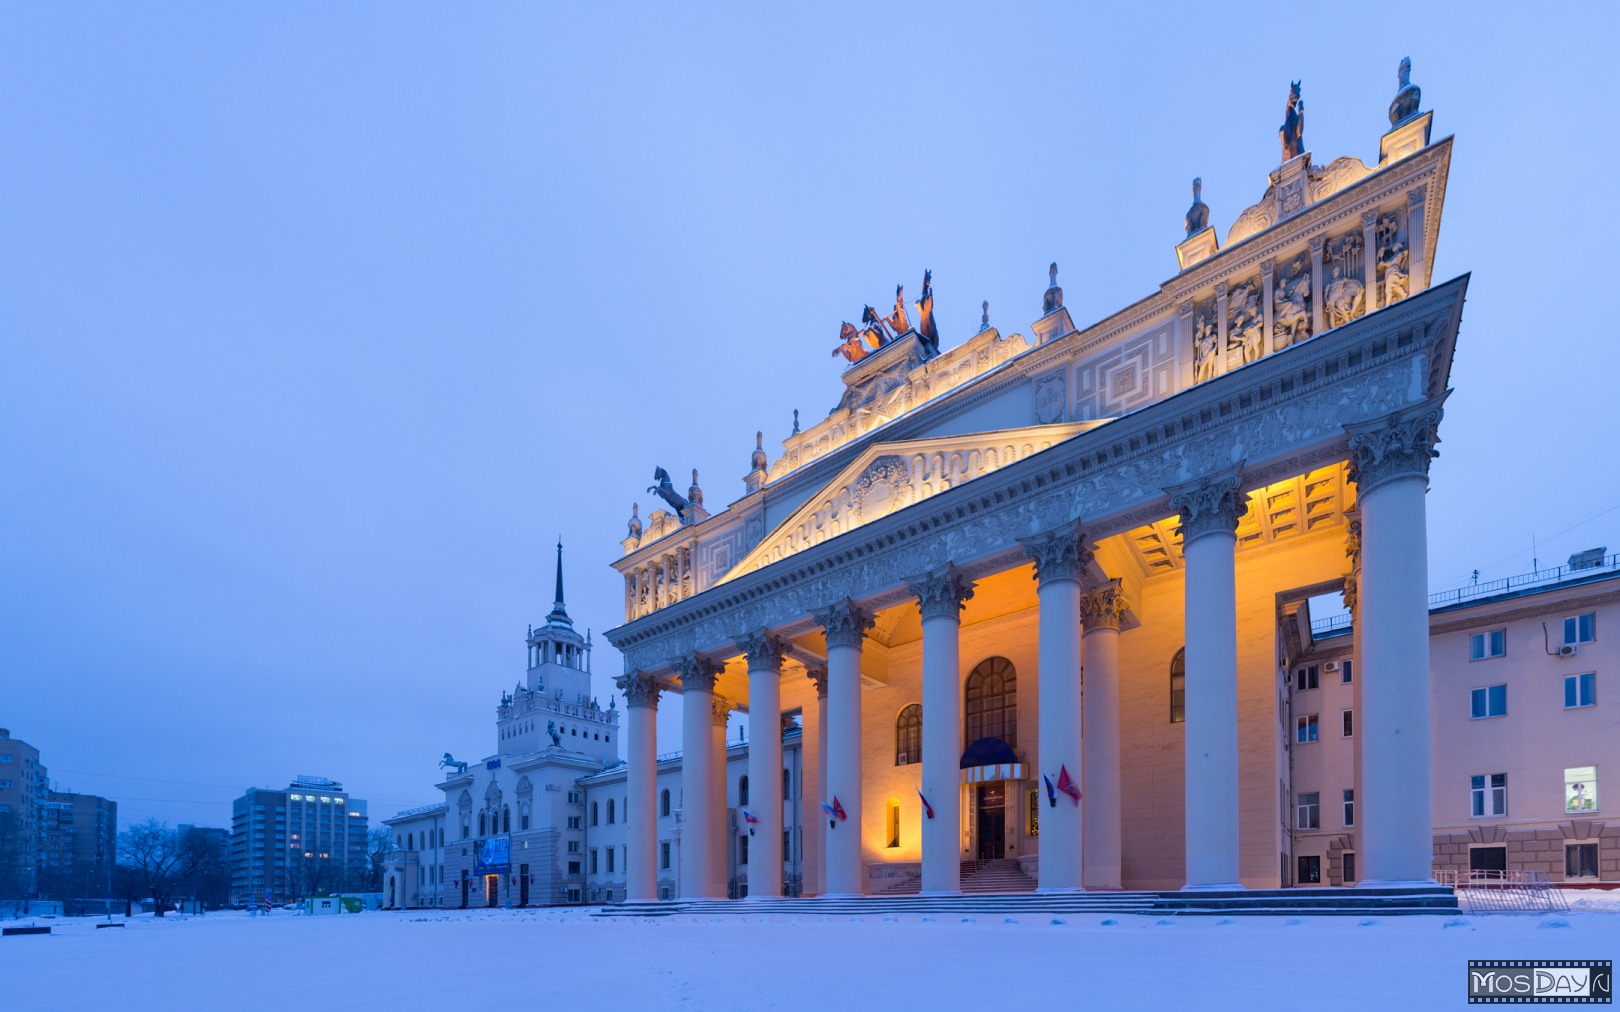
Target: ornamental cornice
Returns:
[1210, 505]
[1397, 446]
[1060, 555]
[1284, 414]
[1270, 242]
[697, 671]
[639, 689]
[942, 593]
[844, 622]
[1104, 607]
[762, 648]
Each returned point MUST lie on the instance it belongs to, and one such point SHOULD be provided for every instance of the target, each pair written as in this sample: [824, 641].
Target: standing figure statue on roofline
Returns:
[1292, 131]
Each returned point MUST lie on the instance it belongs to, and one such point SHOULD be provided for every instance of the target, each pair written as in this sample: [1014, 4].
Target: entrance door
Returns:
[992, 820]
[523, 885]
[492, 890]
[463, 889]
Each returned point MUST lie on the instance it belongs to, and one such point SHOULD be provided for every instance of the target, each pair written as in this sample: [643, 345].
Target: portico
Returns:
[1030, 540]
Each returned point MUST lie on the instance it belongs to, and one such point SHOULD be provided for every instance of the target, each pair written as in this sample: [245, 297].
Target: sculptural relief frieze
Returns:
[1206, 343]
[1108, 495]
[1291, 303]
[1345, 296]
[1245, 323]
[1394, 258]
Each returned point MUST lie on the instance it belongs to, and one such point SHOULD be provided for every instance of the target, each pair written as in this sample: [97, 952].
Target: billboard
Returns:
[495, 856]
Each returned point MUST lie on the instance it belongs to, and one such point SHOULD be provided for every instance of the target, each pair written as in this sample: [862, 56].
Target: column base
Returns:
[940, 892]
[762, 898]
[1226, 887]
[841, 896]
[1059, 890]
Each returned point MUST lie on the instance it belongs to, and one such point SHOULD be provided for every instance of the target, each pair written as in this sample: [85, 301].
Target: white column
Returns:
[1100, 613]
[1369, 258]
[763, 650]
[845, 624]
[1060, 558]
[1389, 462]
[720, 842]
[941, 595]
[641, 761]
[1209, 513]
[1417, 243]
[816, 871]
[698, 815]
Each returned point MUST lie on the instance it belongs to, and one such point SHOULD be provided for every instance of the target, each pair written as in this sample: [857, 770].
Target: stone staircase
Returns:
[1393, 901]
[999, 876]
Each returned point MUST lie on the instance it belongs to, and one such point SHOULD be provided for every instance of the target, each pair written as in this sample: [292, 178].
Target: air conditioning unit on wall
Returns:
[1330, 666]
[1568, 650]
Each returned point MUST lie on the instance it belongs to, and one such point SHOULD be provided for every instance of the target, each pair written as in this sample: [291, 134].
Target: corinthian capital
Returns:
[720, 708]
[1103, 607]
[1210, 505]
[1059, 555]
[1395, 447]
[818, 674]
[697, 671]
[639, 689]
[845, 623]
[942, 593]
[763, 649]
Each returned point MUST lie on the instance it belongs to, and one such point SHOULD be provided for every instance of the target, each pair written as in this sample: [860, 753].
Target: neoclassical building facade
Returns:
[1026, 595]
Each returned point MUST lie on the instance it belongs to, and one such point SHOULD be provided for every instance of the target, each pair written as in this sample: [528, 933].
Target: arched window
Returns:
[593, 813]
[610, 811]
[408, 844]
[992, 701]
[663, 802]
[480, 823]
[1178, 687]
[742, 789]
[908, 735]
[506, 820]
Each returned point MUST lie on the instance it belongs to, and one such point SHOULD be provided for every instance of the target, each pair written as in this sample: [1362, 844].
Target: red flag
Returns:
[1067, 785]
[838, 809]
[929, 809]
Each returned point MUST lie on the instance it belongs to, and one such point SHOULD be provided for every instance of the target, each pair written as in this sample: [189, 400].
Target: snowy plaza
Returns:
[385, 959]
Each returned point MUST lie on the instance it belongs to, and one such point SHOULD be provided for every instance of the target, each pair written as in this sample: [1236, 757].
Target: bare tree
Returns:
[378, 843]
[13, 861]
[161, 859]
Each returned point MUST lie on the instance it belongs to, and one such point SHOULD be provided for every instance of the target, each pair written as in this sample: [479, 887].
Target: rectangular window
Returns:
[1178, 697]
[1310, 869]
[523, 821]
[593, 860]
[1306, 678]
[1580, 790]
[1580, 860]
[1490, 701]
[1308, 811]
[1305, 729]
[663, 854]
[1347, 724]
[573, 867]
[1580, 690]
[1488, 795]
[1482, 646]
[1580, 628]
[573, 822]
[1347, 672]
[742, 850]
[610, 854]
[1349, 808]
[573, 846]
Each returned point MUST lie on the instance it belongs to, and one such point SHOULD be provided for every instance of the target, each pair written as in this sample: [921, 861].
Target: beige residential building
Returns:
[1523, 736]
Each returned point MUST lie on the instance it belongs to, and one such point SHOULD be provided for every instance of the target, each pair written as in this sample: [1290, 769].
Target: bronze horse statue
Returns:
[665, 490]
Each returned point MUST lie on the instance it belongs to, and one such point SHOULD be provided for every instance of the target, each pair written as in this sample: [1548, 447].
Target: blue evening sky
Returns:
[321, 322]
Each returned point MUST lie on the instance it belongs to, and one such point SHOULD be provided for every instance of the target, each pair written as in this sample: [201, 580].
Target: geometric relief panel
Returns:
[716, 557]
[1127, 377]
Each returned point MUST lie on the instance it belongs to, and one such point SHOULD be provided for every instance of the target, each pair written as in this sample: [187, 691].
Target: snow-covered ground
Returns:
[747, 960]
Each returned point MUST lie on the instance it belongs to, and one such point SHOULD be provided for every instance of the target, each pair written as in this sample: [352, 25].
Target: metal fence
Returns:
[1504, 892]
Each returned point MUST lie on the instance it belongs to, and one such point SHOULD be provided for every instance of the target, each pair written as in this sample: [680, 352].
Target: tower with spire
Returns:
[556, 691]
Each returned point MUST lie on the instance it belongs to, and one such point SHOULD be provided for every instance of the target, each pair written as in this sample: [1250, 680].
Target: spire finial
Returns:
[984, 321]
[559, 614]
[795, 421]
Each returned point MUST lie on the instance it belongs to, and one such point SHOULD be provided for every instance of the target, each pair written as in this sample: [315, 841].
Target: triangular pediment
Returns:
[888, 477]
